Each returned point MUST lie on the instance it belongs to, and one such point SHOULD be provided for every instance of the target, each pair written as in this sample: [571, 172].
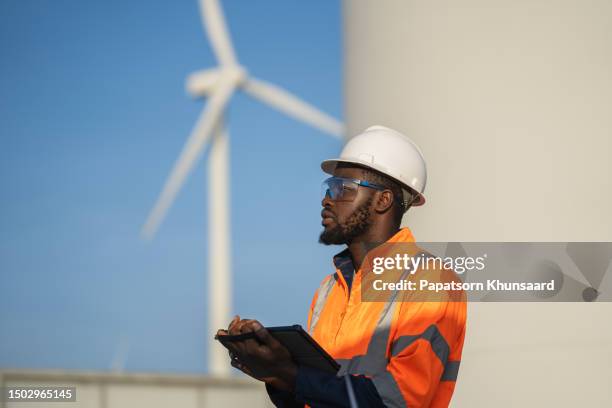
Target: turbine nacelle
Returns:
[218, 85]
[203, 83]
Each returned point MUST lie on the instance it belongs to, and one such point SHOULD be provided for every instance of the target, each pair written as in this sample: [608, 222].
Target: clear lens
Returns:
[339, 189]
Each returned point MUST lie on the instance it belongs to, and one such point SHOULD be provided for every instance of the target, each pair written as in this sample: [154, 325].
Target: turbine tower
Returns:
[219, 84]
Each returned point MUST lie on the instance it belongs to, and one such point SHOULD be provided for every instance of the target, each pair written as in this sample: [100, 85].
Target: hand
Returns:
[233, 359]
[263, 357]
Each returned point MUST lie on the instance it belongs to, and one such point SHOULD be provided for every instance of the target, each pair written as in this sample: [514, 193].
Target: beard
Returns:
[356, 224]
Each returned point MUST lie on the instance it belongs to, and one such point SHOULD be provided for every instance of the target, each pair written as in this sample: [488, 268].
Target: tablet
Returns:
[303, 349]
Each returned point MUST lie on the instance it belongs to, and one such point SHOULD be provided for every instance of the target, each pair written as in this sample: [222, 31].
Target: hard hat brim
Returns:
[328, 166]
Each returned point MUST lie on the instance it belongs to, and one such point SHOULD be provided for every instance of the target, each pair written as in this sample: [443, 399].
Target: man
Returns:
[398, 352]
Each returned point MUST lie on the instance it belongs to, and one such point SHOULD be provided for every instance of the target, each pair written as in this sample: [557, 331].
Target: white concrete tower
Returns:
[511, 103]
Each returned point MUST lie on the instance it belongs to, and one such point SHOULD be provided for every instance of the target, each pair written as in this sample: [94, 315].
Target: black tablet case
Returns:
[303, 348]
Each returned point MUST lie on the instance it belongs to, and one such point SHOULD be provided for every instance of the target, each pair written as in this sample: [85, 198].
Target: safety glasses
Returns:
[345, 189]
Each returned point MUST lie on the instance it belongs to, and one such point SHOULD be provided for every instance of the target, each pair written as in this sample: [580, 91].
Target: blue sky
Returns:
[93, 113]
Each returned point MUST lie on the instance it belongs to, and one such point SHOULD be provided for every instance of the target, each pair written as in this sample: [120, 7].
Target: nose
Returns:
[327, 202]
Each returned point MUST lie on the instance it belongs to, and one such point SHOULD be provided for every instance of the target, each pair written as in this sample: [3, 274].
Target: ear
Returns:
[384, 201]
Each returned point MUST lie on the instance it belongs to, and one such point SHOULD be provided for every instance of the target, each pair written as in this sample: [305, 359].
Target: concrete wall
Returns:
[511, 103]
[102, 390]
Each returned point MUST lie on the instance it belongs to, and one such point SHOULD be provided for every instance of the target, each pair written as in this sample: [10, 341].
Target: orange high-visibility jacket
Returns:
[410, 349]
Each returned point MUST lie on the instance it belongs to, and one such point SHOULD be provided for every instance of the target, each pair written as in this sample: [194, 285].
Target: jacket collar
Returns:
[342, 260]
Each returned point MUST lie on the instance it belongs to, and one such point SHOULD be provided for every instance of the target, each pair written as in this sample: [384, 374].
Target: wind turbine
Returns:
[219, 84]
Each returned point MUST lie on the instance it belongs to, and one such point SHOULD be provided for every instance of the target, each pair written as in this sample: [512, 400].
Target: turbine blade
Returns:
[195, 144]
[214, 22]
[291, 105]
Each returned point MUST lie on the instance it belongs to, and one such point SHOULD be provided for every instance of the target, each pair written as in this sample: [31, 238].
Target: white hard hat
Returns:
[389, 152]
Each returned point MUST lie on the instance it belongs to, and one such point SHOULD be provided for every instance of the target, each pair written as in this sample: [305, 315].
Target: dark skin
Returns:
[264, 358]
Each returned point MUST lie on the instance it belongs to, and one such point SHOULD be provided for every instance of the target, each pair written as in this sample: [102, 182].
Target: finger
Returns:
[234, 348]
[253, 344]
[239, 327]
[239, 347]
[233, 322]
[263, 335]
[248, 346]
[242, 368]
[235, 362]
[237, 365]
[236, 327]
[245, 326]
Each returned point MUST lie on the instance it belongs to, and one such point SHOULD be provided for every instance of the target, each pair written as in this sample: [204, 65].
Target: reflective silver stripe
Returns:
[432, 335]
[388, 390]
[375, 360]
[350, 391]
[451, 371]
[323, 292]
